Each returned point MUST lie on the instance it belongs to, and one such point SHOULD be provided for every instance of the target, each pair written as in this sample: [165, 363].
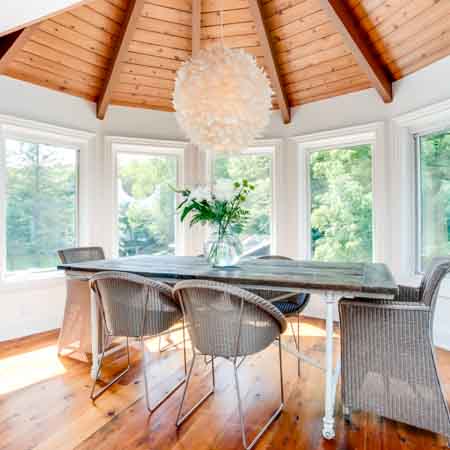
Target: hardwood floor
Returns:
[44, 404]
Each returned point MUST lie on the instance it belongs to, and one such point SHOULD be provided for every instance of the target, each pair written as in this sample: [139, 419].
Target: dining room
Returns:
[224, 224]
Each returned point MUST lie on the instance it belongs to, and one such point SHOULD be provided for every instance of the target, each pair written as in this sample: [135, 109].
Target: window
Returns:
[341, 203]
[433, 199]
[41, 203]
[146, 203]
[256, 167]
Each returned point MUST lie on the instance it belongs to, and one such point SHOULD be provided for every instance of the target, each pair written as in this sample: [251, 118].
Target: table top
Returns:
[367, 279]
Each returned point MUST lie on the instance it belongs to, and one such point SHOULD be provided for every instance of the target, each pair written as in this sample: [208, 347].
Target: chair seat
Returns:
[295, 306]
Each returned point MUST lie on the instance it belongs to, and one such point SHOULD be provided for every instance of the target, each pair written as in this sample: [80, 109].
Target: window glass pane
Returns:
[146, 204]
[41, 193]
[257, 169]
[341, 204]
[434, 176]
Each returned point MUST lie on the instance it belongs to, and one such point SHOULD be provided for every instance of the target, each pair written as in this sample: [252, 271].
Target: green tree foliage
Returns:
[341, 204]
[41, 204]
[146, 204]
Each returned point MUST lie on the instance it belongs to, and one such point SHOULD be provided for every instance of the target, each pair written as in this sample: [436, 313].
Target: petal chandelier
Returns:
[222, 99]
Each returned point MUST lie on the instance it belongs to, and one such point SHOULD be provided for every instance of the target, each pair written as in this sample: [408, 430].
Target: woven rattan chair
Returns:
[132, 306]
[76, 326]
[291, 305]
[228, 322]
[388, 359]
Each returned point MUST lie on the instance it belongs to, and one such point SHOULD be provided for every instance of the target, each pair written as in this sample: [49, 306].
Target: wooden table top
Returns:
[367, 279]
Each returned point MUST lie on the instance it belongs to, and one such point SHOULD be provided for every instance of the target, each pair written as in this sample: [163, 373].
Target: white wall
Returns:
[39, 307]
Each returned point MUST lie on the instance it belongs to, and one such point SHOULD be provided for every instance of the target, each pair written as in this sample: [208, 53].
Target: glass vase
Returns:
[223, 249]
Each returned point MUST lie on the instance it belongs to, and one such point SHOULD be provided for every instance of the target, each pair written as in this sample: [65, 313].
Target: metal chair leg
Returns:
[146, 383]
[274, 416]
[347, 413]
[296, 337]
[94, 395]
[181, 419]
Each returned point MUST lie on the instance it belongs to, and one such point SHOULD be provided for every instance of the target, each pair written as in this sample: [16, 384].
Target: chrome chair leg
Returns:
[146, 383]
[181, 419]
[94, 395]
[274, 416]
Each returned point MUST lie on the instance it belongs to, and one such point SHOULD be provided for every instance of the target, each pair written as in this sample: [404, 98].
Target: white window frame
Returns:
[31, 131]
[372, 134]
[272, 147]
[405, 185]
[153, 147]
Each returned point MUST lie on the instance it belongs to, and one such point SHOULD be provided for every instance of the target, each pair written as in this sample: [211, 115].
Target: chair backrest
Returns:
[80, 254]
[436, 272]
[134, 306]
[226, 321]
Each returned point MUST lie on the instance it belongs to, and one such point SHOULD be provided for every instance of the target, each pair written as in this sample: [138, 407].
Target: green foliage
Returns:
[341, 204]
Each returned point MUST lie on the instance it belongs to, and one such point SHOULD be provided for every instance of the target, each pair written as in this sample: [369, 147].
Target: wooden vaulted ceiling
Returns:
[126, 52]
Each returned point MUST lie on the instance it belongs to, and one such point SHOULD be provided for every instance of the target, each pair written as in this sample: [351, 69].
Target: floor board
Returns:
[44, 403]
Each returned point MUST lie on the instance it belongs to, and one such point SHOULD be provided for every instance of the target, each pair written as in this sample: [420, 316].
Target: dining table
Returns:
[331, 281]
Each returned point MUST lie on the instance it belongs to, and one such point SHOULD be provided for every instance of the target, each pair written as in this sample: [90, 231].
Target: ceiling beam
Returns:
[134, 10]
[12, 44]
[196, 23]
[358, 42]
[269, 58]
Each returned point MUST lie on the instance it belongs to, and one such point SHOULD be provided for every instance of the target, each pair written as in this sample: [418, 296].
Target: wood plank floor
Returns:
[44, 404]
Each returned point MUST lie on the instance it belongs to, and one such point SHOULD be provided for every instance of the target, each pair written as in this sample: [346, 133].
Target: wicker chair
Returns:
[290, 305]
[133, 306]
[76, 326]
[228, 322]
[388, 359]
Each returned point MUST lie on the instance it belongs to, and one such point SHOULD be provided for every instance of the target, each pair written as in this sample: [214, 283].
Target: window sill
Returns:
[35, 280]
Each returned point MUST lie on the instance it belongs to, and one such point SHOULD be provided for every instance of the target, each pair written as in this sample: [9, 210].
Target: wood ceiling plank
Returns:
[53, 81]
[182, 5]
[229, 16]
[270, 59]
[147, 81]
[318, 45]
[57, 69]
[219, 5]
[363, 9]
[141, 100]
[304, 37]
[316, 58]
[72, 62]
[300, 25]
[151, 61]
[145, 91]
[353, 36]
[232, 29]
[67, 48]
[91, 16]
[196, 24]
[149, 105]
[319, 69]
[274, 7]
[73, 23]
[247, 40]
[159, 50]
[109, 10]
[164, 40]
[73, 37]
[163, 27]
[122, 4]
[292, 14]
[166, 14]
[151, 72]
[120, 54]
[12, 44]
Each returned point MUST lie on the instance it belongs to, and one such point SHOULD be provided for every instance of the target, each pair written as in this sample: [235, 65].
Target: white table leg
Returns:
[331, 374]
[94, 336]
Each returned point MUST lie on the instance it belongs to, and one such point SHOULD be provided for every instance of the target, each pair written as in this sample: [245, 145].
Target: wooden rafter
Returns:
[11, 44]
[269, 57]
[134, 10]
[196, 23]
[354, 37]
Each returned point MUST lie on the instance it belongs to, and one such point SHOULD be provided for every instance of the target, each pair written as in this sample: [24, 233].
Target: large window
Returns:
[257, 169]
[41, 203]
[433, 161]
[341, 204]
[146, 203]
